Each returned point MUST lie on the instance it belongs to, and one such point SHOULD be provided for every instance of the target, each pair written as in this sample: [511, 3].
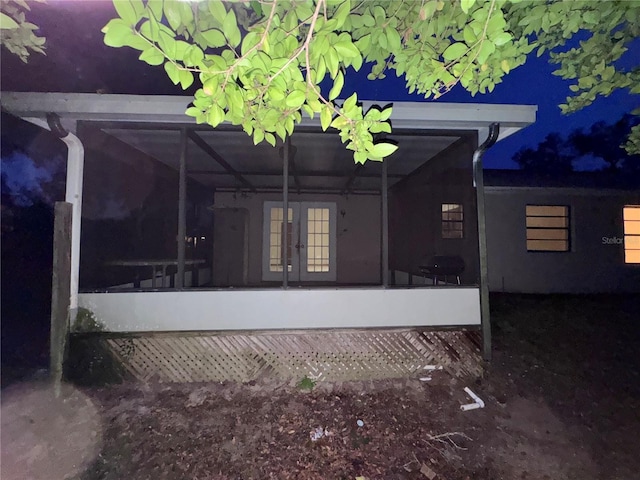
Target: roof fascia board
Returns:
[572, 191]
[170, 109]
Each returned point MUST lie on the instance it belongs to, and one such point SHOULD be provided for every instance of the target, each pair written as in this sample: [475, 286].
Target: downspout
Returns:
[478, 183]
[73, 195]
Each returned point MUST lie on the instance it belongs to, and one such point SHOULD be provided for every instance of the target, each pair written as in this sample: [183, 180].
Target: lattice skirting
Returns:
[335, 355]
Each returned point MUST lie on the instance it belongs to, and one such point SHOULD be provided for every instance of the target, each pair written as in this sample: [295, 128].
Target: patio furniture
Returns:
[443, 266]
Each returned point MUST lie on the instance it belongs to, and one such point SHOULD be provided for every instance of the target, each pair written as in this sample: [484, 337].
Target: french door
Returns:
[309, 236]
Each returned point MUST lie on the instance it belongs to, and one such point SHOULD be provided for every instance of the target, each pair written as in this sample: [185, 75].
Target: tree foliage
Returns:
[605, 141]
[557, 154]
[260, 63]
[16, 33]
[552, 155]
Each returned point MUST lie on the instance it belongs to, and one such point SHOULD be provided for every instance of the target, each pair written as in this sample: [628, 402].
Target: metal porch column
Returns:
[182, 208]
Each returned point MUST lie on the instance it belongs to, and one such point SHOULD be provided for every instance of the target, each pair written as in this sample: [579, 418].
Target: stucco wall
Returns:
[590, 266]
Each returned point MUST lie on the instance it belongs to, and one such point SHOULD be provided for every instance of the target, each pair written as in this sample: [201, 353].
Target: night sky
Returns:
[78, 61]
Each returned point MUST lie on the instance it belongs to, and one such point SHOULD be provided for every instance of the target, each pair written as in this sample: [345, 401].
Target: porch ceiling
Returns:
[320, 161]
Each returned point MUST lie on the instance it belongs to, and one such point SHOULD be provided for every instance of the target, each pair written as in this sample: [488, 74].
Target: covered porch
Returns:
[185, 254]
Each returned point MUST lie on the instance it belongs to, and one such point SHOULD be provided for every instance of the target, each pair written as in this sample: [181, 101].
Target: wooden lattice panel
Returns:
[321, 355]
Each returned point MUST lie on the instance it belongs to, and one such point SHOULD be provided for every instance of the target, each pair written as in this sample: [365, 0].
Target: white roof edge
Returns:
[170, 109]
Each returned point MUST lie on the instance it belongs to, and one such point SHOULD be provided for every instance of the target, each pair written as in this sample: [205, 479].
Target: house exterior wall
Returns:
[591, 266]
[415, 213]
[358, 232]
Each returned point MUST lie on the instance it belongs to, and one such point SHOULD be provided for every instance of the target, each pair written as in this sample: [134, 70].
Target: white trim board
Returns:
[283, 309]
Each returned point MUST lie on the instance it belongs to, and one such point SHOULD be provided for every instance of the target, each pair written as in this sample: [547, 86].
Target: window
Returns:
[547, 228]
[631, 217]
[277, 238]
[317, 240]
[452, 220]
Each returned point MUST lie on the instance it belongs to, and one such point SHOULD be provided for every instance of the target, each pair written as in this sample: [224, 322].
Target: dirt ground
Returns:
[562, 399]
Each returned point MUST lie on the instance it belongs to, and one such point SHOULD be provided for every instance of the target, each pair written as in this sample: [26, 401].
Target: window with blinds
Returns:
[547, 228]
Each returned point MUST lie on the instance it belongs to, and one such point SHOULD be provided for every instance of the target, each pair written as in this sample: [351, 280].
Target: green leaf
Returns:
[173, 72]
[382, 150]
[271, 140]
[186, 79]
[192, 112]
[350, 102]
[486, 50]
[258, 136]
[275, 93]
[386, 114]
[591, 17]
[342, 13]
[380, 127]
[216, 8]
[152, 56]
[347, 49]
[215, 116]
[504, 65]
[455, 51]
[214, 38]
[172, 12]
[502, 38]
[137, 42]
[379, 15]
[250, 40]
[382, 40]
[393, 39]
[6, 22]
[466, 5]
[194, 55]
[155, 8]
[126, 11]
[231, 30]
[326, 115]
[332, 61]
[295, 99]
[360, 157]
[117, 33]
[427, 10]
[337, 86]
[468, 35]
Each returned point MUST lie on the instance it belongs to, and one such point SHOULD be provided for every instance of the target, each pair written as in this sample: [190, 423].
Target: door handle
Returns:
[299, 246]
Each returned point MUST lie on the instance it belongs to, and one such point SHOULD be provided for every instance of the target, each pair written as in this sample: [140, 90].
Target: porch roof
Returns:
[150, 123]
[170, 109]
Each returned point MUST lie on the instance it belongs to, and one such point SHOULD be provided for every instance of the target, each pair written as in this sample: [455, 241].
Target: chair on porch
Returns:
[443, 266]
